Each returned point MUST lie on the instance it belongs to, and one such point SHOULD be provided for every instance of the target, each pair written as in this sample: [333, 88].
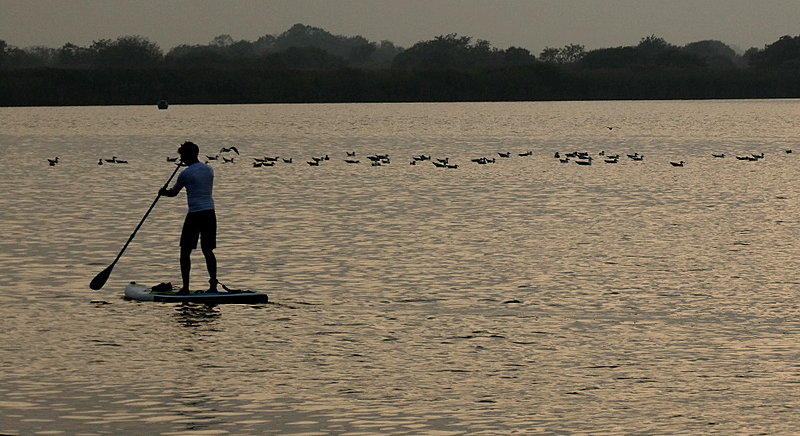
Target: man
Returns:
[201, 220]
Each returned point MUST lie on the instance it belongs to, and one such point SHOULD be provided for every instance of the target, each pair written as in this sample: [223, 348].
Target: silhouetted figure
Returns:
[201, 220]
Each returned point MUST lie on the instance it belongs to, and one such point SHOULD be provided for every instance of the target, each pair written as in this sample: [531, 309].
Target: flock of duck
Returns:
[578, 157]
[230, 154]
[101, 161]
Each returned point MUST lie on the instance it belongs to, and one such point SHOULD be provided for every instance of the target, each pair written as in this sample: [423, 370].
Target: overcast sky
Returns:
[531, 24]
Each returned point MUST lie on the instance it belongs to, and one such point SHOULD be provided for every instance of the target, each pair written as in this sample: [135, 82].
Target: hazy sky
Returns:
[531, 24]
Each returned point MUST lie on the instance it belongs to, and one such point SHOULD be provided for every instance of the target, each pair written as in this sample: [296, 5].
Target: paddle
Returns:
[100, 280]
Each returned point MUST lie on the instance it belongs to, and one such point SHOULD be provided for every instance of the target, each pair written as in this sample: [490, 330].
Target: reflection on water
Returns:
[196, 315]
[525, 296]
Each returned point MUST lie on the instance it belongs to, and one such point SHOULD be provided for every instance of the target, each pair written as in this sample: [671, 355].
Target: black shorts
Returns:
[201, 224]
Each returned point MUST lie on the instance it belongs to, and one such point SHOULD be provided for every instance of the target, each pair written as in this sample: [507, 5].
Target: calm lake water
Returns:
[526, 296]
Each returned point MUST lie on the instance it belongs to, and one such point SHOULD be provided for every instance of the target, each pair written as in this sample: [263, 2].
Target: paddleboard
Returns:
[139, 292]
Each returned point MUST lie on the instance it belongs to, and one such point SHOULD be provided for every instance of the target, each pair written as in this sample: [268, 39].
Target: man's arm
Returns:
[168, 192]
[171, 192]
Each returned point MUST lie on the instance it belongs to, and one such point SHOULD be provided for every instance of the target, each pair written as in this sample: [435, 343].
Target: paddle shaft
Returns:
[101, 278]
[177, 167]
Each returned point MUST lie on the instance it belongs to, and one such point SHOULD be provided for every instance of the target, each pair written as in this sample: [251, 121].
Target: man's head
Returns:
[189, 151]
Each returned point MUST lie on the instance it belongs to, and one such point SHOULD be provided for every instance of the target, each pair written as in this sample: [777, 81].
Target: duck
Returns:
[258, 164]
[378, 157]
[586, 161]
[350, 153]
[506, 154]
[228, 149]
[53, 162]
[100, 161]
[352, 161]
[313, 163]
[527, 153]
[112, 160]
[677, 164]
[287, 160]
[718, 155]
[439, 164]
[216, 157]
[120, 161]
[789, 151]
[611, 160]
[226, 160]
[172, 159]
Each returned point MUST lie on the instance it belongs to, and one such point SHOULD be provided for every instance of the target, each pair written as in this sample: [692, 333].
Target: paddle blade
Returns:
[100, 280]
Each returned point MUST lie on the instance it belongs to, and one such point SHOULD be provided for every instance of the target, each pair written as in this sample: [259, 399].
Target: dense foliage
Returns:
[308, 64]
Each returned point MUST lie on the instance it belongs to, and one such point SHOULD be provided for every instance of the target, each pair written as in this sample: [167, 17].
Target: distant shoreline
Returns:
[146, 86]
[306, 64]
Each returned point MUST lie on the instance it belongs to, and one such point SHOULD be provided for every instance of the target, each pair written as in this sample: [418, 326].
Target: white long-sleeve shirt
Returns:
[198, 179]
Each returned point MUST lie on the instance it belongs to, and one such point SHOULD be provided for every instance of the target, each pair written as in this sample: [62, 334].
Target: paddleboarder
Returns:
[201, 219]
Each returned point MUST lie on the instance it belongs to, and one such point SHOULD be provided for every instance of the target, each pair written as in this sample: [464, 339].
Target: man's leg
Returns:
[208, 242]
[211, 265]
[186, 267]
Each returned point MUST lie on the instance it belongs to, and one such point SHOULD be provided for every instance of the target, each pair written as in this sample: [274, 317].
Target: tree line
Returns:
[309, 64]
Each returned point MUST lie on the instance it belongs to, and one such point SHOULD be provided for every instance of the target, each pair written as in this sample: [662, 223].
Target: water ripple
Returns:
[527, 296]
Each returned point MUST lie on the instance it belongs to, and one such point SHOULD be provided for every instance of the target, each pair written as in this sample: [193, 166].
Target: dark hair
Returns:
[189, 148]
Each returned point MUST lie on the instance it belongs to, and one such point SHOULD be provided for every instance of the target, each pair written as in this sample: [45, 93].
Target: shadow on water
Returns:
[196, 315]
